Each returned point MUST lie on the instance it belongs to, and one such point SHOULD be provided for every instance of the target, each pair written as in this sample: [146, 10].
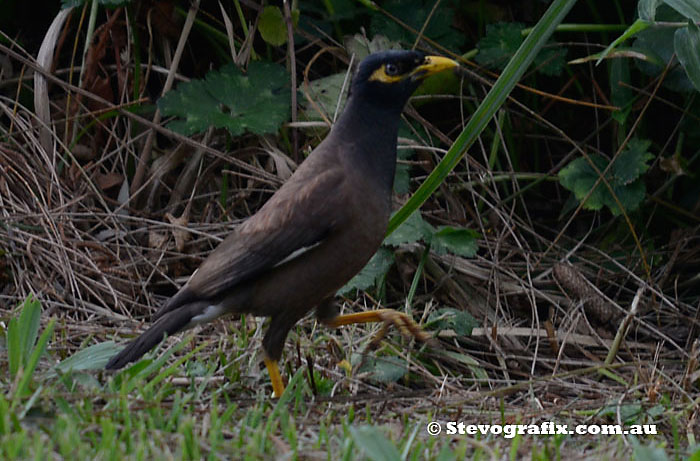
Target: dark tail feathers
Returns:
[169, 324]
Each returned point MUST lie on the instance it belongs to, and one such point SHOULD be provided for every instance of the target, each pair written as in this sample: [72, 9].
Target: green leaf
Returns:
[623, 177]
[551, 61]
[459, 241]
[501, 42]
[579, 177]
[688, 8]
[402, 179]
[374, 444]
[648, 452]
[646, 9]
[22, 334]
[361, 46]
[94, 357]
[657, 45]
[687, 45]
[375, 269]
[632, 161]
[325, 92]
[413, 13]
[33, 359]
[412, 230]
[630, 197]
[629, 413]
[257, 102]
[384, 369]
[447, 318]
[272, 26]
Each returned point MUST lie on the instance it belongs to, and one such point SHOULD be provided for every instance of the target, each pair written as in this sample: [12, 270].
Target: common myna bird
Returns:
[316, 232]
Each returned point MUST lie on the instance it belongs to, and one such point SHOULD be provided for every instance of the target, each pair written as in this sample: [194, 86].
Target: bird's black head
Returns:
[388, 78]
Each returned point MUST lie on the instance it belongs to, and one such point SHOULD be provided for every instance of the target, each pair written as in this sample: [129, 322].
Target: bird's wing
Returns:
[299, 216]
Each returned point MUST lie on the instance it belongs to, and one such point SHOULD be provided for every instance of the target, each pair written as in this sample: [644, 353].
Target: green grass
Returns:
[150, 411]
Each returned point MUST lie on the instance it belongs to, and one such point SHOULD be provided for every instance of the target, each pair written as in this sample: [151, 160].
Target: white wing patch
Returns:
[213, 311]
[296, 253]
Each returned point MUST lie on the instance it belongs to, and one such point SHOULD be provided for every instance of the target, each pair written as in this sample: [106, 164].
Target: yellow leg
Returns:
[403, 322]
[275, 377]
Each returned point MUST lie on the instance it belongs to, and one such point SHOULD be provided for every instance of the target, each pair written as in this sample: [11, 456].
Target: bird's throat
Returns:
[372, 131]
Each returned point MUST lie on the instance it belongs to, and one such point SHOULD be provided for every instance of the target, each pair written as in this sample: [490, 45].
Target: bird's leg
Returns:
[402, 321]
[273, 342]
[275, 376]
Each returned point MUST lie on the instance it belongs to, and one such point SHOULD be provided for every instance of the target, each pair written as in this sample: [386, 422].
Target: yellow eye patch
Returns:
[380, 75]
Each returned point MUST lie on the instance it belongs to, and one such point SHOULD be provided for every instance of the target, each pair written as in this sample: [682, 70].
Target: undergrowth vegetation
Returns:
[546, 231]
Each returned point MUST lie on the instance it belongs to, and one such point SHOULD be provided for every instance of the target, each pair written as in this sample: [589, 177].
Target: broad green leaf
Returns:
[551, 61]
[383, 369]
[623, 177]
[272, 26]
[402, 179]
[414, 13]
[458, 241]
[499, 44]
[374, 444]
[373, 271]
[629, 413]
[94, 357]
[448, 318]
[325, 92]
[502, 41]
[361, 46]
[257, 101]
[579, 177]
[649, 452]
[632, 161]
[659, 42]
[646, 9]
[687, 45]
[688, 8]
[630, 197]
[412, 230]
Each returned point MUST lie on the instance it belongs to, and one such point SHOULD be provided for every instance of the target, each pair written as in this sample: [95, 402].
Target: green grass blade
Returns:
[22, 333]
[30, 366]
[486, 110]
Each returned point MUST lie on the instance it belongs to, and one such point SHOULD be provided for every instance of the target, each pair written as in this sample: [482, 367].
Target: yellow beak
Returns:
[433, 65]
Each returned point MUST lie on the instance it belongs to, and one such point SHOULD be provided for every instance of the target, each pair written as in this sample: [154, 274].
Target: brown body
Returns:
[317, 231]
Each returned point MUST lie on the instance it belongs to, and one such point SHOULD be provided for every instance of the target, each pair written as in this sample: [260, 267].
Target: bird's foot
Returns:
[405, 324]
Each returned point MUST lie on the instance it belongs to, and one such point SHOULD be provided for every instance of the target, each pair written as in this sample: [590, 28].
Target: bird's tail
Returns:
[168, 324]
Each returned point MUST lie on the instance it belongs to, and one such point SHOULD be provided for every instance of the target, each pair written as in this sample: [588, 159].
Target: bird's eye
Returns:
[391, 69]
